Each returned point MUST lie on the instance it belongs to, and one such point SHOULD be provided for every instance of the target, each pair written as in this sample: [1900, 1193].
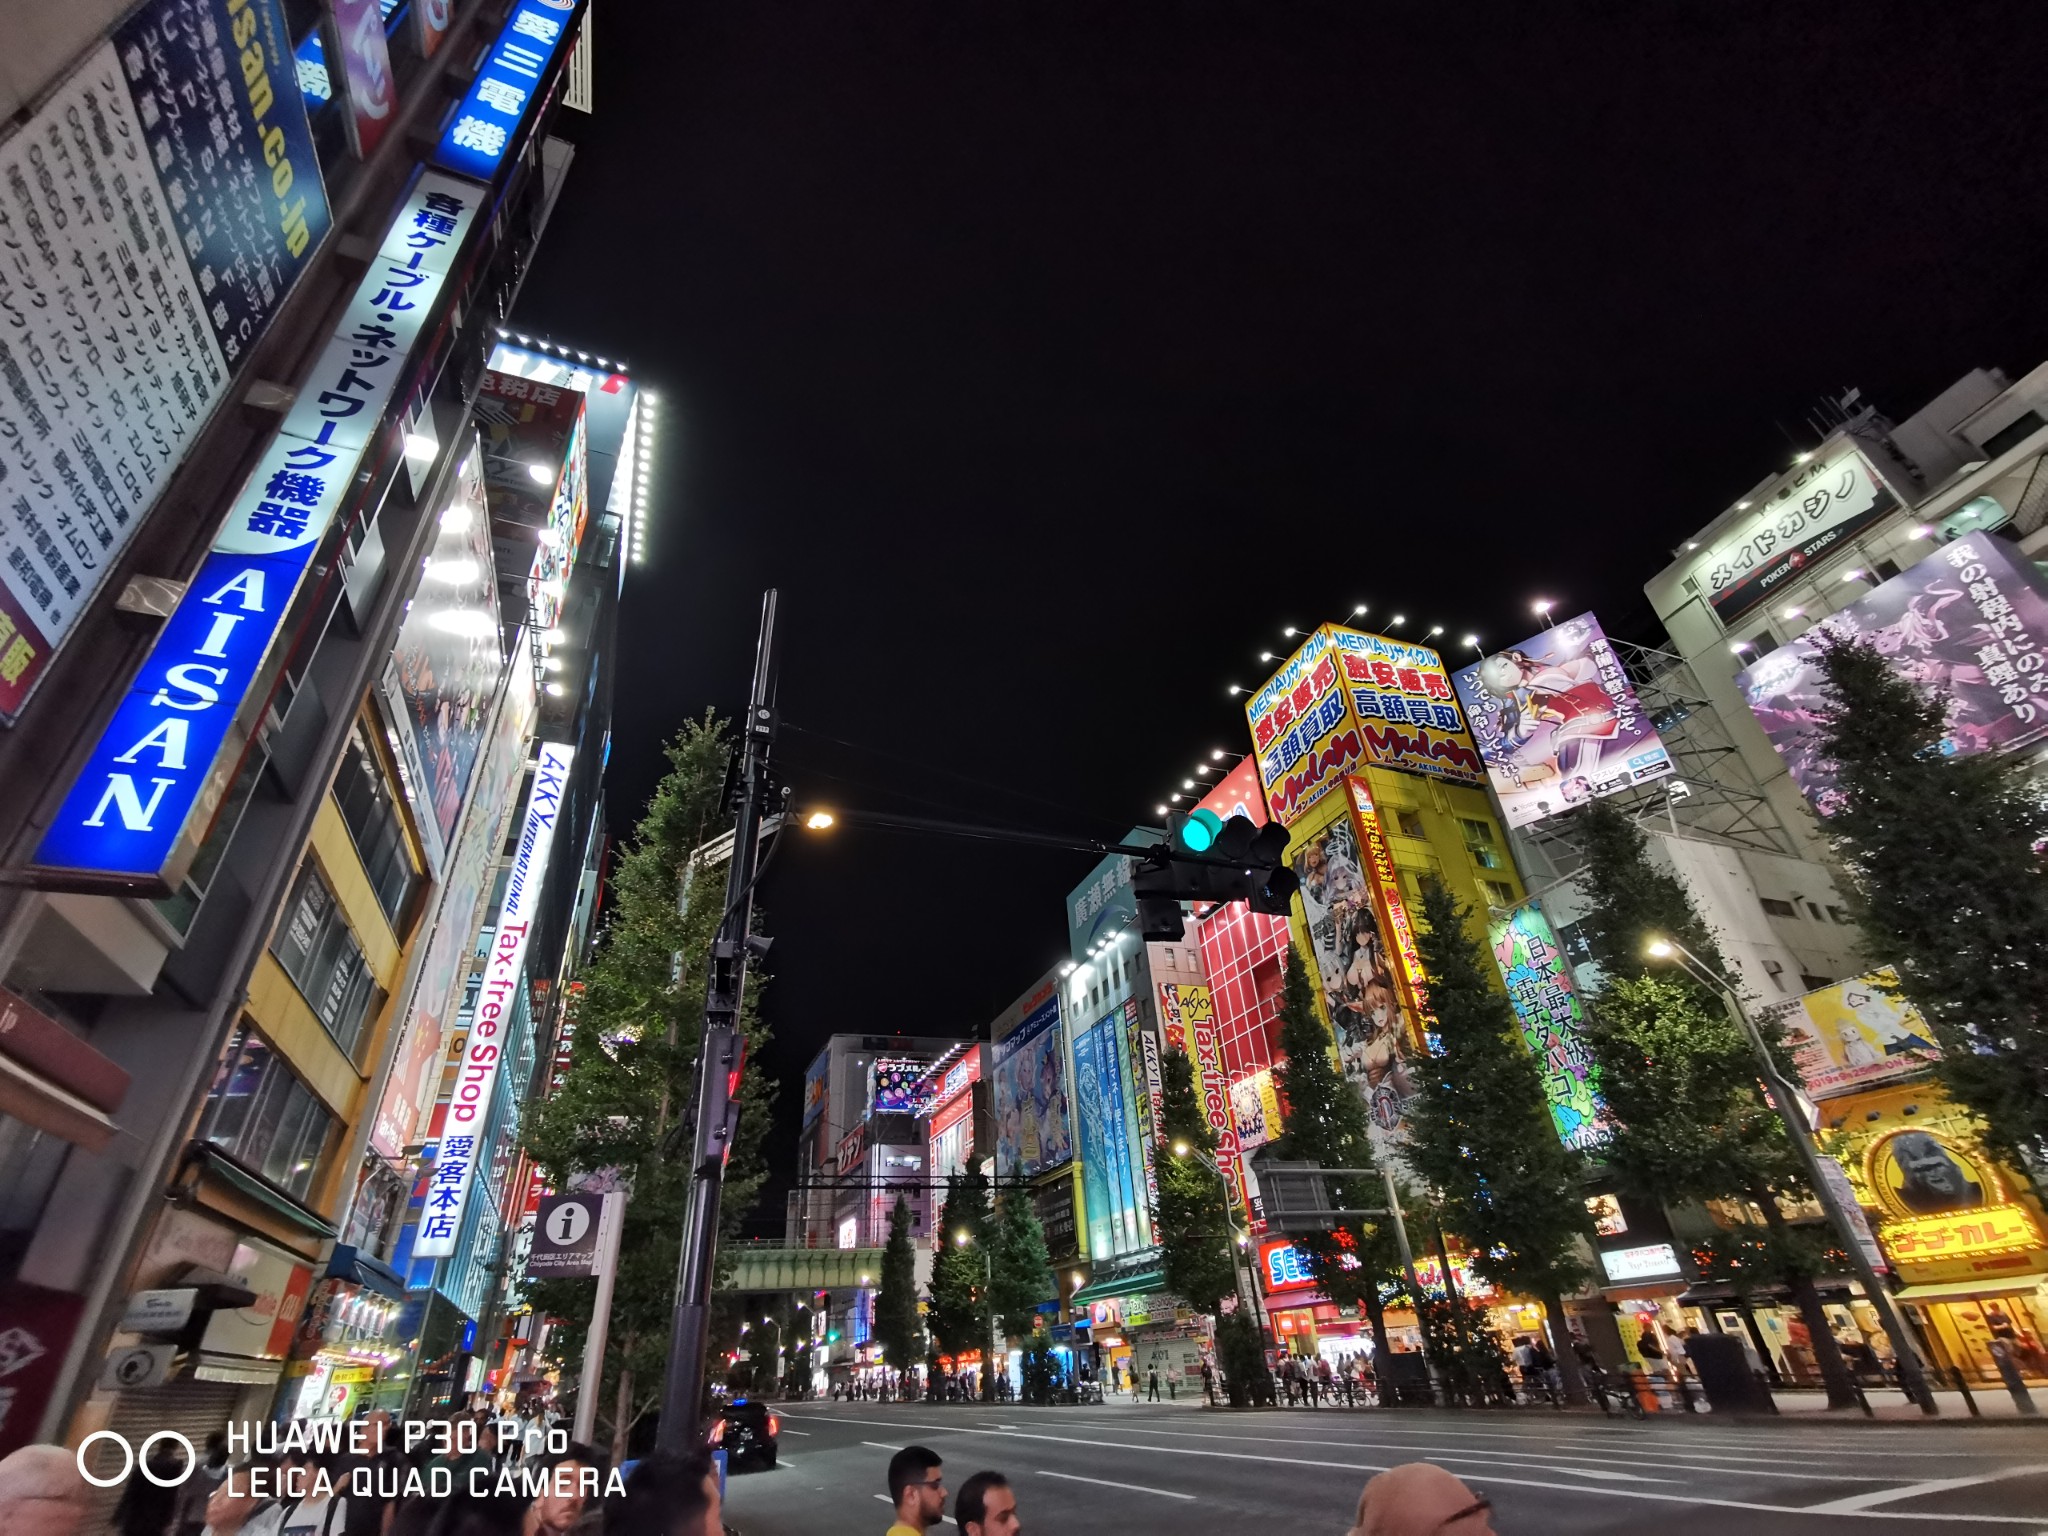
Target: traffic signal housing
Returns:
[1205, 858]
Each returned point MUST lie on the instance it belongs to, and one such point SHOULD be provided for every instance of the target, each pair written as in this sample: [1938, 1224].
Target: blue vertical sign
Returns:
[148, 791]
[1107, 1170]
[484, 127]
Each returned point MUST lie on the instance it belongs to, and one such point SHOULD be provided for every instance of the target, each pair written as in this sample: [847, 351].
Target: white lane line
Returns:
[1103, 1482]
[1858, 1502]
[1564, 1461]
[1488, 1477]
[881, 1447]
[804, 1432]
[943, 1519]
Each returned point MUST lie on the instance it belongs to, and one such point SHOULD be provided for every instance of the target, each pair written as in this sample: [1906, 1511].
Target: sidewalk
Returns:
[1889, 1404]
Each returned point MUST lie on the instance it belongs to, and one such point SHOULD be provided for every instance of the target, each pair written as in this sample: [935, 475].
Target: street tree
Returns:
[1481, 1134]
[1680, 1077]
[1021, 1262]
[1197, 1237]
[1947, 882]
[1326, 1123]
[958, 1289]
[898, 1329]
[619, 1111]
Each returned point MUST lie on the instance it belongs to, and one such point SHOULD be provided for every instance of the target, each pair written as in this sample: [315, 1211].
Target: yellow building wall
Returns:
[1444, 849]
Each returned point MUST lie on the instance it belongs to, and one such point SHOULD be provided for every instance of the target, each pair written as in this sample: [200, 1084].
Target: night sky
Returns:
[1051, 358]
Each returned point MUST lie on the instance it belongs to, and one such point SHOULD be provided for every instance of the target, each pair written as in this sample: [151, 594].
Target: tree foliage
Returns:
[1947, 883]
[958, 1290]
[1681, 1077]
[1481, 1134]
[898, 1330]
[632, 1076]
[1197, 1237]
[1021, 1262]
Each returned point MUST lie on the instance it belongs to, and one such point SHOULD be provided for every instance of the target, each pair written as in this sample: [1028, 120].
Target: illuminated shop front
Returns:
[1964, 1236]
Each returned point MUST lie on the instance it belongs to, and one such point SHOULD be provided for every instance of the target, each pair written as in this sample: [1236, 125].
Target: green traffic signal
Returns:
[1198, 831]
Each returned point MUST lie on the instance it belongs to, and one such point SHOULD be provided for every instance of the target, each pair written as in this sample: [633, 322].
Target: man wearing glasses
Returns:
[918, 1490]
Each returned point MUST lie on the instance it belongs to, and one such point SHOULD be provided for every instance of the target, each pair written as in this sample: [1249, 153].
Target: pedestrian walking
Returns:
[1419, 1498]
[1209, 1383]
[917, 1487]
[1152, 1378]
[987, 1506]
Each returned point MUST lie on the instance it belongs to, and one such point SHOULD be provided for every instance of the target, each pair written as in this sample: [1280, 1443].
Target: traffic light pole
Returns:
[718, 1059]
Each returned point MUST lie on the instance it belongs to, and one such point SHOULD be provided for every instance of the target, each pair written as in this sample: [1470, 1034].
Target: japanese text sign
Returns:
[1806, 512]
[477, 1076]
[1347, 699]
[485, 126]
[1553, 1018]
[153, 216]
[1558, 722]
[1980, 1234]
[1968, 626]
[1855, 1034]
[148, 791]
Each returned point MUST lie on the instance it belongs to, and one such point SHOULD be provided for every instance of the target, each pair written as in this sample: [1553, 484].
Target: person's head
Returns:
[1419, 1498]
[555, 1510]
[216, 1448]
[669, 1495]
[986, 1506]
[42, 1492]
[916, 1486]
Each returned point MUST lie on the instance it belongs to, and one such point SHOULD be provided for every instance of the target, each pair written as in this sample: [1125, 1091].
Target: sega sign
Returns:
[1284, 1267]
[147, 794]
[484, 128]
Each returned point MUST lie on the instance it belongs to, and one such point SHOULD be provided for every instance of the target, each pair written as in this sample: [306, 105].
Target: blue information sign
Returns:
[484, 128]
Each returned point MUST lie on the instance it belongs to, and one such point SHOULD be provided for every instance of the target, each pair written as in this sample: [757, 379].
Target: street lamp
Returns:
[988, 1270]
[820, 821]
[1783, 1096]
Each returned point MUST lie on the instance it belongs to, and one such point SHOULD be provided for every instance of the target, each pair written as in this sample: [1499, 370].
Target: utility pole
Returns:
[719, 1059]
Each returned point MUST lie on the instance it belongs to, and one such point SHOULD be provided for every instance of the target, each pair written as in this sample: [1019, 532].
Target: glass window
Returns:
[1410, 823]
[1477, 833]
[264, 1117]
[369, 805]
[1777, 907]
[314, 945]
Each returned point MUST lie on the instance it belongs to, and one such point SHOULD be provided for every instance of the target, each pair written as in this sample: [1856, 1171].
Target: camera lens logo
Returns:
[132, 1459]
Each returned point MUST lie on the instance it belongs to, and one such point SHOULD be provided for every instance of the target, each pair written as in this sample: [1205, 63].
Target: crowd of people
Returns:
[1417, 1498]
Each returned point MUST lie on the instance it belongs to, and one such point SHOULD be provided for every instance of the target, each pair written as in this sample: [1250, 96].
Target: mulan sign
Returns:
[147, 795]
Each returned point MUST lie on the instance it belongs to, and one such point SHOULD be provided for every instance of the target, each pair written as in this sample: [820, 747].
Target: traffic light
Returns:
[1205, 858]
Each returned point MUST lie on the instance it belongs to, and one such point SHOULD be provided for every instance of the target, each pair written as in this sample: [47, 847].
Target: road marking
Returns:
[943, 1519]
[1103, 1482]
[881, 1447]
[1563, 1461]
[1858, 1502]
[804, 1432]
[1653, 1496]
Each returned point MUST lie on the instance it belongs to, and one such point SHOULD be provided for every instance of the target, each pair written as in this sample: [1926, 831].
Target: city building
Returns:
[262, 657]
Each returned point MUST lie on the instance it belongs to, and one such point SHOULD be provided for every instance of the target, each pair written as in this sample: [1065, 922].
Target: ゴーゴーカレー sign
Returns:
[462, 1133]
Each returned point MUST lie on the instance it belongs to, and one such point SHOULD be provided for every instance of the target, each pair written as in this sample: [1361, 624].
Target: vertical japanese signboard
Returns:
[1968, 626]
[1102, 1116]
[367, 86]
[1558, 722]
[1553, 1022]
[153, 216]
[1028, 1084]
[149, 789]
[477, 1076]
[1193, 1008]
[484, 129]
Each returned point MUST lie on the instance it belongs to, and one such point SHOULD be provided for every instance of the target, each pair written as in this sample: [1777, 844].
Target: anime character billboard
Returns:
[1376, 1034]
[1030, 1096]
[1968, 626]
[1557, 722]
[1854, 1034]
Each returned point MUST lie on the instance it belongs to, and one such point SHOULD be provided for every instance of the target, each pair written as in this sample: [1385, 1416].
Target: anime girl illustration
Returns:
[1558, 716]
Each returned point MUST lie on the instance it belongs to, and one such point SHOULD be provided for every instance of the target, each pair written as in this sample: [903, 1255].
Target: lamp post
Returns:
[1912, 1374]
[988, 1270]
[1240, 1242]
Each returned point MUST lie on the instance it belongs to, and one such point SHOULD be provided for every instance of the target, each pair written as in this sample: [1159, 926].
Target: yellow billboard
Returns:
[1856, 1034]
[1346, 699]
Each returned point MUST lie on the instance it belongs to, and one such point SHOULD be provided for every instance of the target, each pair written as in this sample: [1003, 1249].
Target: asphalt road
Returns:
[1128, 1469]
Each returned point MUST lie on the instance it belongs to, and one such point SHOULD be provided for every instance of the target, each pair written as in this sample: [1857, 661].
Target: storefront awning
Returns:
[1968, 1290]
[1720, 1292]
[358, 1268]
[218, 1165]
[35, 1100]
[1138, 1283]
